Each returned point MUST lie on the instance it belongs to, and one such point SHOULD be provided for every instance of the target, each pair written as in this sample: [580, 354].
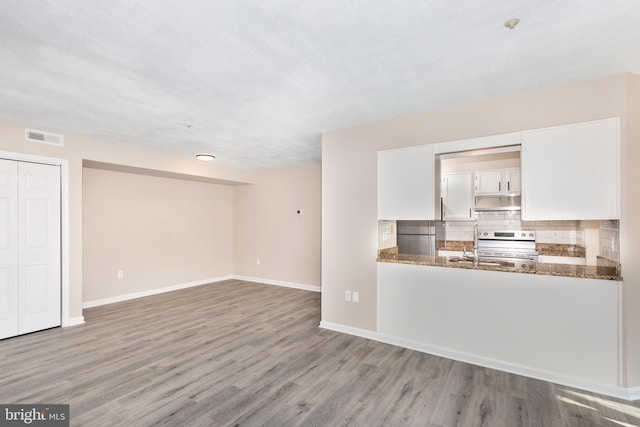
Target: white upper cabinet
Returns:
[457, 196]
[406, 183]
[498, 182]
[572, 172]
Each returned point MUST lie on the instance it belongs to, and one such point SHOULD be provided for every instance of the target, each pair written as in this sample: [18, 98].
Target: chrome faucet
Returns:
[474, 253]
[475, 238]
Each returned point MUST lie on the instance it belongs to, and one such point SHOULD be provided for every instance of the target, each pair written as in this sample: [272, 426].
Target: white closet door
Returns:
[8, 248]
[39, 246]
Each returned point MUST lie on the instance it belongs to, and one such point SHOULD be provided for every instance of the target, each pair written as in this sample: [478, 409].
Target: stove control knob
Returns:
[524, 234]
[530, 234]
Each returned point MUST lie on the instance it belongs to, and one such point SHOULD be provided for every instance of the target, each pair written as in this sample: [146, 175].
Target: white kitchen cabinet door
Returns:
[512, 179]
[29, 247]
[572, 172]
[406, 184]
[500, 181]
[457, 196]
[488, 182]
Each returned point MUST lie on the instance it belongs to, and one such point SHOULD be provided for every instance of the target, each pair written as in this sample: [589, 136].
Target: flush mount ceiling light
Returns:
[205, 157]
[511, 23]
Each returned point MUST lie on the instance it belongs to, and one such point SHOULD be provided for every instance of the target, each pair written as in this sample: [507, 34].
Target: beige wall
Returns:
[267, 227]
[630, 233]
[75, 151]
[349, 223]
[159, 231]
[146, 181]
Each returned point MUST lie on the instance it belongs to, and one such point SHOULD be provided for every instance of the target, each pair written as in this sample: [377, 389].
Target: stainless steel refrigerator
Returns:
[416, 237]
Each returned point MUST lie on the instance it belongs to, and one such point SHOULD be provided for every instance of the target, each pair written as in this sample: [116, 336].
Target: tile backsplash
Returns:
[566, 232]
[610, 239]
[552, 232]
[386, 234]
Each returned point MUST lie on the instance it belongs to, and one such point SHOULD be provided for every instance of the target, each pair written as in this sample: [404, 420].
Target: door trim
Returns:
[66, 319]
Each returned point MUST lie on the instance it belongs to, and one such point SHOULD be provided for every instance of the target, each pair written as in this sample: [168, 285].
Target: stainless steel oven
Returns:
[516, 246]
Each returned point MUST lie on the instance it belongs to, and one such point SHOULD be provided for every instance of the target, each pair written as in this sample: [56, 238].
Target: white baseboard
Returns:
[279, 283]
[72, 321]
[134, 295]
[614, 391]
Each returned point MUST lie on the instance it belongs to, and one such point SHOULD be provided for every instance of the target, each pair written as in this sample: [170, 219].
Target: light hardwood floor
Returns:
[246, 354]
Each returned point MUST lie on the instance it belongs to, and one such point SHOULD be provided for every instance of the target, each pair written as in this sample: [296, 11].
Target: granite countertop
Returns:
[606, 271]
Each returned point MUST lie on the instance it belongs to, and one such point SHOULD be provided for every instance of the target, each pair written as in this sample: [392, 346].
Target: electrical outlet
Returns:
[355, 296]
[120, 274]
[347, 295]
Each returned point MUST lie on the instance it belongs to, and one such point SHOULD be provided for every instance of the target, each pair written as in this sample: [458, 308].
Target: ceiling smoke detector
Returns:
[511, 23]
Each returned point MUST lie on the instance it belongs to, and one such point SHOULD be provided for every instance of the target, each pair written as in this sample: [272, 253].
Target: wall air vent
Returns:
[44, 137]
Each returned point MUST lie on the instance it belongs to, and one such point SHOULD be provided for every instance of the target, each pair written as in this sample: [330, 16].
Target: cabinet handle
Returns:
[508, 185]
[500, 186]
[469, 212]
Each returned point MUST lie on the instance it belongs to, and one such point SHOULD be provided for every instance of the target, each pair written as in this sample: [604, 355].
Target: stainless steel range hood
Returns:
[510, 202]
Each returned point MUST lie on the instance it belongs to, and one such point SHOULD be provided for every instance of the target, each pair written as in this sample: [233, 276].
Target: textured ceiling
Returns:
[260, 80]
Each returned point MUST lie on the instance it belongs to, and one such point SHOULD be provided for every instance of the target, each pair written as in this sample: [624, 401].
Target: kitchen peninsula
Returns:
[563, 329]
[510, 311]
